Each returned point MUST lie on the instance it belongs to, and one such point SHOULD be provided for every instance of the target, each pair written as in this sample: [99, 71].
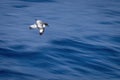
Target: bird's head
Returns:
[38, 21]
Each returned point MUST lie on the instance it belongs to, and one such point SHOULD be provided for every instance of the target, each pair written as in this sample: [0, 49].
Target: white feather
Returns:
[41, 30]
[43, 25]
[33, 26]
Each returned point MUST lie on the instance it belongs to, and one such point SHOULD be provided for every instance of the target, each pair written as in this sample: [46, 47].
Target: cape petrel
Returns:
[39, 25]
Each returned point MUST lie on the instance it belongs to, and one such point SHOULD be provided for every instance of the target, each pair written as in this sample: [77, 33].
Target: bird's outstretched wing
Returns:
[41, 31]
[33, 26]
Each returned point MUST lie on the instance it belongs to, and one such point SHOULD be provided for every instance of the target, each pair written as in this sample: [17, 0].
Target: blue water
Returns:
[82, 42]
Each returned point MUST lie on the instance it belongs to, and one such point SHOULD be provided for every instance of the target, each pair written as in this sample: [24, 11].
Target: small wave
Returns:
[37, 0]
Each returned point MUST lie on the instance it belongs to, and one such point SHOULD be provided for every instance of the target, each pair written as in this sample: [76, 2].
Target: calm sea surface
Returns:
[82, 42]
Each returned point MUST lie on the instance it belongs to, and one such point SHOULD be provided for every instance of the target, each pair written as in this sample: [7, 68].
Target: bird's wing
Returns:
[42, 31]
[33, 26]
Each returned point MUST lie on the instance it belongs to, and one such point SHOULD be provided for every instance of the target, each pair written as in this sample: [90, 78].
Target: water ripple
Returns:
[37, 0]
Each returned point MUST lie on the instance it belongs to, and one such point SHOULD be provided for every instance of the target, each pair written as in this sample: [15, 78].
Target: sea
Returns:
[82, 41]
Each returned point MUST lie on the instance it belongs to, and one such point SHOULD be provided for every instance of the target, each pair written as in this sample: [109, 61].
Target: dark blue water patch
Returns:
[115, 60]
[109, 22]
[76, 44]
[16, 54]
[111, 12]
[104, 51]
[99, 66]
[115, 39]
[92, 65]
[104, 69]
[52, 79]
[20, 6]
[95, 38]
[44, 61]
[106, 23]
[60, 71]
[65, 50]
[4, 51]
[16, 47]
[101, 50]
[70, 43]
[6, 72]
[81, 70]
[44, 64]
[2, 41]
[38, 0]
[117, 22]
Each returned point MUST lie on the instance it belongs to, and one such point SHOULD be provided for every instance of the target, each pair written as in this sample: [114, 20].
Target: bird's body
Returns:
[39, 25]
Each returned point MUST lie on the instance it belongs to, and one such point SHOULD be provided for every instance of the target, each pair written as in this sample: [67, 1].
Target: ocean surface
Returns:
[82, 41]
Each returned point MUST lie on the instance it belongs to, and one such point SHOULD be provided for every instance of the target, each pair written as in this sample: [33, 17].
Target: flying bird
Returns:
[40, 25]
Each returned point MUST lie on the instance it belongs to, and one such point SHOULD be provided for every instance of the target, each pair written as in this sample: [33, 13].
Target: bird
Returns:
[40, 25]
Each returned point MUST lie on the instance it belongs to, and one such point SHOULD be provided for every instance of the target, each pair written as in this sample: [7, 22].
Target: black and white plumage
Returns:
[39, 25]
